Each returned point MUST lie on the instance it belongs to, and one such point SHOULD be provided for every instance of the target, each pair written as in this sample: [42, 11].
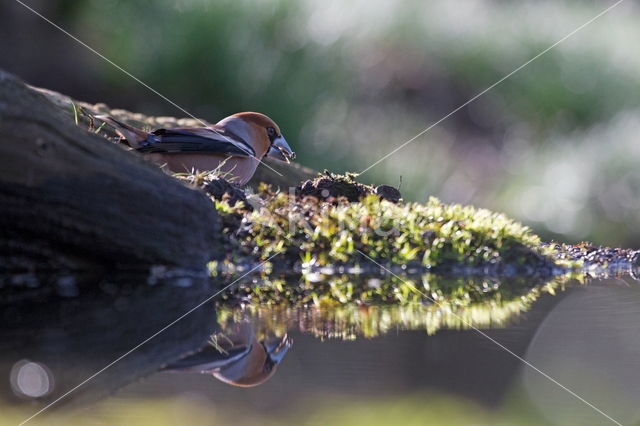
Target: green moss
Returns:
[312, 233]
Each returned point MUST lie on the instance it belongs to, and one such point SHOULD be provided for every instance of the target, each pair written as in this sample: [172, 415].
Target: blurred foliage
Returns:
[553, 145]
[411, 409]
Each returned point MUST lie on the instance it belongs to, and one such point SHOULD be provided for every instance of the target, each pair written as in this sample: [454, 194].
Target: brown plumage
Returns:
[241, 359]
[234, 145]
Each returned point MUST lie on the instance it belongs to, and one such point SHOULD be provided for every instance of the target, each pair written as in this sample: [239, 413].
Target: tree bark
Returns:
[71, 197]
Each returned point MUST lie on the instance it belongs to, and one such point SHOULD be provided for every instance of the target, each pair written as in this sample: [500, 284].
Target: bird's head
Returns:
[261, 132]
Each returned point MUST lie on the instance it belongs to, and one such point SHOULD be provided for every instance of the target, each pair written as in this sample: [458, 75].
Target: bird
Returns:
[240, 359]
[234, 146]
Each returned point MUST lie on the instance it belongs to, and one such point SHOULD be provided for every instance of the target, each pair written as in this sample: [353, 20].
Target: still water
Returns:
[509, 351]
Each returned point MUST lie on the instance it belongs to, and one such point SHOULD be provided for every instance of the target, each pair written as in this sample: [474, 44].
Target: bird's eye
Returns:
[272, 133]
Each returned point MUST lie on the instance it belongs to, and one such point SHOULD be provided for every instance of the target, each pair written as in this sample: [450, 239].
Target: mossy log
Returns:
[69, 197]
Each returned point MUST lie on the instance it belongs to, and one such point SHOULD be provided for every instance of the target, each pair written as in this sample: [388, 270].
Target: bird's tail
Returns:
[129, 133]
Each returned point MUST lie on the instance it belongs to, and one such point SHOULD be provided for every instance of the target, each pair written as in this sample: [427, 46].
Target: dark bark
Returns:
[70, 197]
[75, 337]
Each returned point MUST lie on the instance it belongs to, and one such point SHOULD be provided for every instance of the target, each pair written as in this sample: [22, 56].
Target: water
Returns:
[460, 360]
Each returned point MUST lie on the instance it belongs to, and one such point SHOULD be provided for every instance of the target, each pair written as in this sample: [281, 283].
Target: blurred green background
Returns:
[421, 409]
[554, 146]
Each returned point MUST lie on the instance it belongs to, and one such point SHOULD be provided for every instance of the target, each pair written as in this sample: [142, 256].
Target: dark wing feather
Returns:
[197, 140]
[209, 358]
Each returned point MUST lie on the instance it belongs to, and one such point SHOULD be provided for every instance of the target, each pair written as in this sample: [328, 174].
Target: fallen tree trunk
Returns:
[69, 197]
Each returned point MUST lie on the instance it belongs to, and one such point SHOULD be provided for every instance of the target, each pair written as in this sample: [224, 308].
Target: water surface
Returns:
[453, 360]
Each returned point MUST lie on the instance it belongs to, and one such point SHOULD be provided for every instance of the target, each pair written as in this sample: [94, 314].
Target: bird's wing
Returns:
[209, 358]
[196, 140]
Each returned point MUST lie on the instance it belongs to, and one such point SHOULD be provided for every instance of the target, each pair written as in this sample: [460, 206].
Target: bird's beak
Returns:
[278, 349]
[280, 150]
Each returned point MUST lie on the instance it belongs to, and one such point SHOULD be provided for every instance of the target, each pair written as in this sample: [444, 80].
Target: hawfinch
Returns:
[234, 145]
[240, 359]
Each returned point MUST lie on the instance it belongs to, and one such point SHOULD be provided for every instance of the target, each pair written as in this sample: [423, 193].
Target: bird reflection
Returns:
[238, 357]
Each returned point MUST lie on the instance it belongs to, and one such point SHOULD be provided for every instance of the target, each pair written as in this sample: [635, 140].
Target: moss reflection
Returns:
[346, 308]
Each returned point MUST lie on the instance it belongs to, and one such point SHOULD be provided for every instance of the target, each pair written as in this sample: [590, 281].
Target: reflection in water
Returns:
[255, 318]
[590, 343]
[336, 307]
[586, 335]
[52, 342]
[586, 339]
[237, 357]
